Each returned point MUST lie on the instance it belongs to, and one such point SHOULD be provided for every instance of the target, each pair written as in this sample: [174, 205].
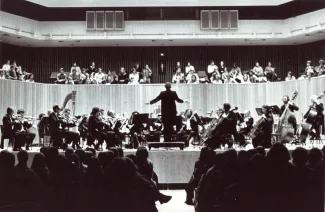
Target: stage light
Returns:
[162, 54]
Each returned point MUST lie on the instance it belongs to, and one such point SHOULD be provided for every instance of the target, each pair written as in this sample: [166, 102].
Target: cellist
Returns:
[319, 118]
[292, 108]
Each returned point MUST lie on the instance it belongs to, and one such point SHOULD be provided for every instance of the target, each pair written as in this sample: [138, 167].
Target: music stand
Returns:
[259, 111]
[275, 110]
[140, 118]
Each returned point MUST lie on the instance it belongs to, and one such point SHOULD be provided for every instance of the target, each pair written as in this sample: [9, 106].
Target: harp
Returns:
[70, 96]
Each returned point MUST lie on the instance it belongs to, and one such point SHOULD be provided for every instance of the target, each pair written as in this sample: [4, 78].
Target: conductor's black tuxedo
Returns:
[168, 110]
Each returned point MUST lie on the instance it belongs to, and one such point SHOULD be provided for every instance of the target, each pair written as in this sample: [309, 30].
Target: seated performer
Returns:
[67, 123]
[83, 128]
[264, 134]
[96, 129]
[229, 125]
[319, 119]
[22, 136]
[244, 128]
[292, 108]
[136, 132]
[56, 132]
[8, 132]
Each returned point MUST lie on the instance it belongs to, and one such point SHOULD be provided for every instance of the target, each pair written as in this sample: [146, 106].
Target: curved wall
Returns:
[38, 98]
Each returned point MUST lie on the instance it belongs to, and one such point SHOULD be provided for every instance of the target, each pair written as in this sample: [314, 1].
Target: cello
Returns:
[309, 121]
[285, 128]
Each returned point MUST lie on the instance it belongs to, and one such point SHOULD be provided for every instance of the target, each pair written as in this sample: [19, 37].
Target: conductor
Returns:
[168, 109]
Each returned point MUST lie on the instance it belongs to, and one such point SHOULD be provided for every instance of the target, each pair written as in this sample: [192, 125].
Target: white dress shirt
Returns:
[212, 68]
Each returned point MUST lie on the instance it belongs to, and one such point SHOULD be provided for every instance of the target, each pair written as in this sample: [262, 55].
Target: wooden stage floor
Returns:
[175, 166]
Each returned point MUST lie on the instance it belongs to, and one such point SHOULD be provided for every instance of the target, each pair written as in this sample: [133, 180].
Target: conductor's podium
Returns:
[180, 145]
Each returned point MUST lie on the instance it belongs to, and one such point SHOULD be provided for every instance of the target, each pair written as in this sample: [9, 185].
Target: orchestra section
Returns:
[36, 98]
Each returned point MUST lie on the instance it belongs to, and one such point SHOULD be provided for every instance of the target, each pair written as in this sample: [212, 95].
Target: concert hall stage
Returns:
[173, 166]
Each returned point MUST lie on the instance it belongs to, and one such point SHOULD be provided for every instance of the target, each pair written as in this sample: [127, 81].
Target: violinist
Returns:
[264, 134]
[245, 128]
[96, 129]
[8, 122]
[71, 137]
[21, 134]
[56, 132]
[292, 108]
[319, 118]
[191, 127]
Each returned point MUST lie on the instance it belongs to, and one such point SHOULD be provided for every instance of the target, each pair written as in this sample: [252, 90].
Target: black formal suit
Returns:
[8, 132]
[319, 120]
[240, 137]
[265, 135]
[168, 110]
[22, 136]
[292, 108]
[96, 130]
[57, 134]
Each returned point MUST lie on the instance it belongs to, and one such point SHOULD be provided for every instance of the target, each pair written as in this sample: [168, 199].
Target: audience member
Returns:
[290, 77]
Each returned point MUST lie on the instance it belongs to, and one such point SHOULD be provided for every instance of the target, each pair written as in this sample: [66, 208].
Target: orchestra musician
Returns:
[96, 129]
[168, 109]
[136, 132]
[57, 132]
[190, 128]
[228, 127]
[8, 123]
[22, 136]
[319, 119]
[83, 128]
[245, 128]
[264, 134]
[292, 107]
[72, 137]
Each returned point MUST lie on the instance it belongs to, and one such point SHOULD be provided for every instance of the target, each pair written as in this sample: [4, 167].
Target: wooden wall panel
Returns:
[39, 98]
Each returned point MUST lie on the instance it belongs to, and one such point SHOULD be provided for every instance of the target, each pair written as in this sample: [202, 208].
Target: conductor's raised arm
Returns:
[178, 99]
[157, 99]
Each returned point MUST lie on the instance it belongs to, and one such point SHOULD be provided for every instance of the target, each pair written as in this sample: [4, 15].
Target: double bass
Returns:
[285, 128]
[309, 121]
